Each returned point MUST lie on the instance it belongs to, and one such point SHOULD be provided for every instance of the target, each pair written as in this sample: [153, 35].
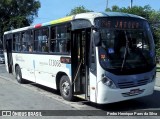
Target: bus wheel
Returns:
[19, 75]
[66, 88]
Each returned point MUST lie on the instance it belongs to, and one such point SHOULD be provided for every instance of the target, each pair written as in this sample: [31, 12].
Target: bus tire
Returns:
[19, 75]
[66, 88]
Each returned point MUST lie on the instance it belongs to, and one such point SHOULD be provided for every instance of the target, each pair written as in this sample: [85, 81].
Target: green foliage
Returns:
[115, 8]
[148, 13]
[17, 13]
[157, 40]
[77, 10]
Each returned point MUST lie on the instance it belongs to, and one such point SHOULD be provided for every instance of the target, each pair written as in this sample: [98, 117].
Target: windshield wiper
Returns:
[125, 53]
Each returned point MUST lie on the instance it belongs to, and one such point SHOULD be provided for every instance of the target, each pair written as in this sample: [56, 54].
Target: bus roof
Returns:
[89, 15]
[92, 15]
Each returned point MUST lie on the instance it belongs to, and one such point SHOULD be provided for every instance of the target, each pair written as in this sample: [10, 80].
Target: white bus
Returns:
[101, 57]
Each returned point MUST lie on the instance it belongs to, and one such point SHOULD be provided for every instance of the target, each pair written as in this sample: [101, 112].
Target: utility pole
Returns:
[107, 5]
[131, 3]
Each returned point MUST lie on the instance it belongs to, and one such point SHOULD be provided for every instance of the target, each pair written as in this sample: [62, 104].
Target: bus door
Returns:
[80, 57]
[9, 55]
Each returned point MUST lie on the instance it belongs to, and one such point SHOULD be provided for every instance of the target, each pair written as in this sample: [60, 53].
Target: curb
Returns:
[157, 82]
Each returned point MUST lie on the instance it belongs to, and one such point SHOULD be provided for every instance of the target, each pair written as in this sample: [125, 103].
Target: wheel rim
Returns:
[17, 75]
[65, 88]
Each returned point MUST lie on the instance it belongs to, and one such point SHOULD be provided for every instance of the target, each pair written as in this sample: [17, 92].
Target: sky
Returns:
[55, 9]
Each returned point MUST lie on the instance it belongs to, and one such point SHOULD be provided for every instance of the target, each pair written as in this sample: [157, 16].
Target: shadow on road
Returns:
[41, 87]
[148, 102]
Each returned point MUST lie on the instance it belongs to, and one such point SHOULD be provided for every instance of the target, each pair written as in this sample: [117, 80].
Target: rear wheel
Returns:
[19, 75]
[66, 88]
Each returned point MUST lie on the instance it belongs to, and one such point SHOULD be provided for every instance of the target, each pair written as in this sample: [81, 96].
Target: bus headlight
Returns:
[108, 82]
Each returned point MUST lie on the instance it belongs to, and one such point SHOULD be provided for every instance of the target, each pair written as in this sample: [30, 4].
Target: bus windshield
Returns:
[126, 44]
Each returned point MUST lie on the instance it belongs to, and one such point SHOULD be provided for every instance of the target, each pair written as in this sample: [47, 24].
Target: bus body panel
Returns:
[46, 69]
[26, 64]
[93, 87]
[39, 68]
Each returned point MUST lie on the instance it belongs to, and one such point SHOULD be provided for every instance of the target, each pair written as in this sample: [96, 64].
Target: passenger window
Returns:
[53, 40]
[26, 41]
[60, 39]
[17, 42]
[41, 40]
[30, 42]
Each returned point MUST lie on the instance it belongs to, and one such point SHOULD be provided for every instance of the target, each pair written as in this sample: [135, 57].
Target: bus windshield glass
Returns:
[126, 44]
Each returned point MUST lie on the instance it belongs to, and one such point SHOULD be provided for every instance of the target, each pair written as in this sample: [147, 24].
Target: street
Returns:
[30, 96]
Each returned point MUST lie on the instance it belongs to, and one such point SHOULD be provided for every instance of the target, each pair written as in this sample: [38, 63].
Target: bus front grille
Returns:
[130, 84]
[142, 82]
[126, 84]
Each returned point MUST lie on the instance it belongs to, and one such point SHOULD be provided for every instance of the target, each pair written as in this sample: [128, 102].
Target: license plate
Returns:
[135, 91]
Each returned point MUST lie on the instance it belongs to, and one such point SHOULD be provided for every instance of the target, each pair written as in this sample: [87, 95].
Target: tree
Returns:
[77, 10]
[17, 13]
[156, 34]
[115, 8]
[148, 13]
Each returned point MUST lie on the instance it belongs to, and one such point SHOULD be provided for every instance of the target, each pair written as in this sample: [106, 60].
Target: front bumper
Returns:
[107, 95]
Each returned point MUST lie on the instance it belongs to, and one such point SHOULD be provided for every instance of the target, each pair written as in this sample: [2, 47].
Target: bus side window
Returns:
[44, 42]
[16, 38]
[24, 45]
[60, 38]
[63, 32]
[26, 40]
[53, 39]
[14, 44]
[30, 42]
[40, 40]
[68, 36]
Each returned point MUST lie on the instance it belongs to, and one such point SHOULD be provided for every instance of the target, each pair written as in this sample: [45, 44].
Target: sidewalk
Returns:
[158, 79]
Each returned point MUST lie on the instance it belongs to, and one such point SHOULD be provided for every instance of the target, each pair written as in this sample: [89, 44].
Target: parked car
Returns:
[2, 58]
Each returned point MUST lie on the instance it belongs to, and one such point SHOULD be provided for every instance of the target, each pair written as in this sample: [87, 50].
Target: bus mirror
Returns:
[97, 39]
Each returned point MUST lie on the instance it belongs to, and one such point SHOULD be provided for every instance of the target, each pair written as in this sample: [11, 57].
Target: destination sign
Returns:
[120, 23]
